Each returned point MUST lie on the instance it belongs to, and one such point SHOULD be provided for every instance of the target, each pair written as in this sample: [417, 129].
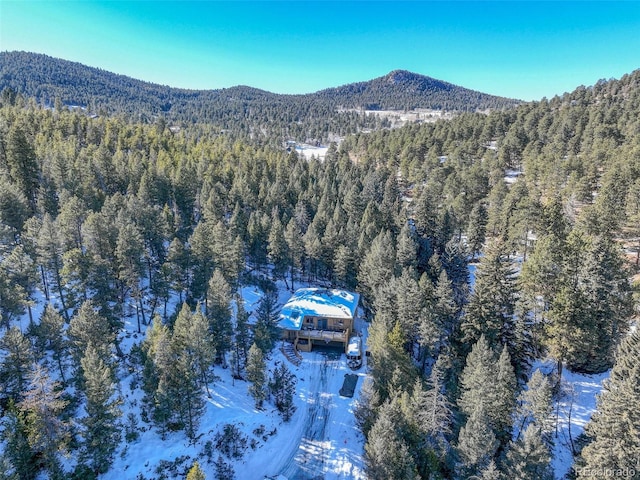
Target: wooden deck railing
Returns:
[326, 335]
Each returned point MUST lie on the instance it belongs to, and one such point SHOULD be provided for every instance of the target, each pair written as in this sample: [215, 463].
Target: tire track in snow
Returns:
[308, 462]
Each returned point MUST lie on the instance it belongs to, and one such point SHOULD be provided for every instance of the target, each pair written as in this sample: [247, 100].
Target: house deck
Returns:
[309, 337]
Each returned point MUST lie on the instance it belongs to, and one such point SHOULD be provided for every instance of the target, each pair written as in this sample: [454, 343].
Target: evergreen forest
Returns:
[249, 113]
[106, 215]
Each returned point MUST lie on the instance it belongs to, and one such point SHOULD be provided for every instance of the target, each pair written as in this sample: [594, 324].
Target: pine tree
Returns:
[86, 328]
[455, 261]
[367, 405]
[73, 213]
[387, 455]
[242, 337]
[295, 246]
[411, 309]
[100, 232]
[615, 426]
[542, 272]
[313, 248]
[155, 349]
[196, 473]
[178, 266]
[233, 261]
[432, 413]
[76, 275]
[445, 309]
[256, 374]
[265, 330]
[50, 253]
[608, 297]
[378, 266]
[172, 376]
[277, 249]
[477, 444]
[431, 329]
[13, 297]
[491, 472]
[505, 391]
[191, 336]
[520, 214]
[495, 201]
[391, 365]
[51, 333]
[426, 212]
[283, 389]
[529, 457]
[18, 459]
[566, 337]
[20, 269]
[16, 363]
[590, 312]
[407, 256]
[491, 307]
[218, 309]
[14, 207]
[102, 430]
[47, 433]
[129, 252]
[131, 431]
[181, 384]
[489, 386]
[344, 266]
[536, 404]
[22, 163]
[201, 260]
[476, 228]
[390, 205]
[224, 470]
[478, 378]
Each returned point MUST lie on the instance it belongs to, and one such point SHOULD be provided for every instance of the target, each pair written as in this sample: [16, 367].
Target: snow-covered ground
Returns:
[574, 407]
[308, 151]
[320, 441]
[511, 176]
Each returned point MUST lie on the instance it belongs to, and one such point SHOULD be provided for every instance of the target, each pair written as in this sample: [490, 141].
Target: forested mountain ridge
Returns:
[238, 108]
[120, 227]
[403, 90]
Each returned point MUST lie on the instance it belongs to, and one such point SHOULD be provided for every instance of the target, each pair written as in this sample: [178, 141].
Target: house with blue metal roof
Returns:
[319, 316]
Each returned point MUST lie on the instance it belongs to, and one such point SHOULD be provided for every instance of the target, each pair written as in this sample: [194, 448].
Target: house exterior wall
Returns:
[321, 331]
[324, 323]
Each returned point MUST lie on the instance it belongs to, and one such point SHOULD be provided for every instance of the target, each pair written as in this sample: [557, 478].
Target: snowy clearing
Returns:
[308, 151]
[574, 408]
[321, 440]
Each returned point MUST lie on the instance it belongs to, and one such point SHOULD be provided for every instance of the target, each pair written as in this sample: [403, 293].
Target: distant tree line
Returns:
[240, 111]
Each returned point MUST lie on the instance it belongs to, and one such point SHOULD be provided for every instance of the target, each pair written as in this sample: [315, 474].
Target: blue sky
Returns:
[522, 49]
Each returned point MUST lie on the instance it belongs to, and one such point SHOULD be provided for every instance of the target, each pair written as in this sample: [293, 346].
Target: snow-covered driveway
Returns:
[328, 445]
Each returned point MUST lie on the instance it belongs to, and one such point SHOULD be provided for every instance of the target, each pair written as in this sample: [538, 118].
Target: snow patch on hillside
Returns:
[308, 151]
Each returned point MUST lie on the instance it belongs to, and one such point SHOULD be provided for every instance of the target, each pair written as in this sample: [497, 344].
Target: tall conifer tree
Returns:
[102, 430]
[615, 426]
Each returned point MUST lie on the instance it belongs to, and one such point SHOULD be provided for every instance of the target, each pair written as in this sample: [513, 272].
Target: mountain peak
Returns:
[48, 78]
[402, 76]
